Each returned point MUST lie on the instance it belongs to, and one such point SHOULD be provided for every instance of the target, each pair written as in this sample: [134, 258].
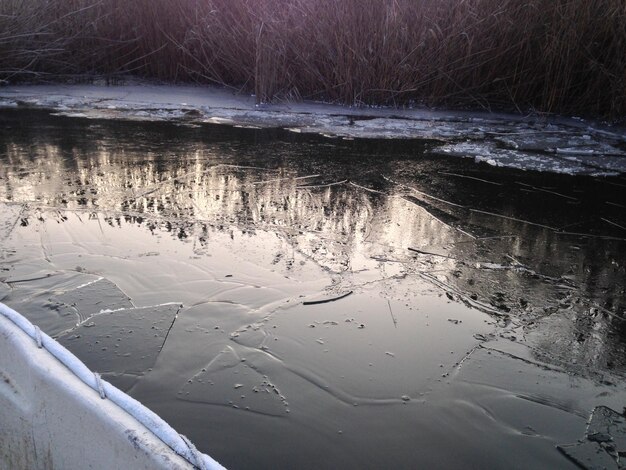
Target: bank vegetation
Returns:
[547, 56]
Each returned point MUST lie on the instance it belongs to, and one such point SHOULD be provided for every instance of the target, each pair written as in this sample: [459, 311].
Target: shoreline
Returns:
[556, 144]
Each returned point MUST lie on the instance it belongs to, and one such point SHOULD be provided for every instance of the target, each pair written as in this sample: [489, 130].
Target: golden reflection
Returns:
[499, 264]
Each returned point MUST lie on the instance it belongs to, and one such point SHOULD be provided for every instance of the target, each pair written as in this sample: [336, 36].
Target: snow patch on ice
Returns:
[489, 153]
[561, 145]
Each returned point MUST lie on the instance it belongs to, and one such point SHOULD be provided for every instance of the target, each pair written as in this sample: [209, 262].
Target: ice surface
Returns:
[523, 160]
[494, 335]
[95, 297]
[604, 443]
[124, 341]
[351, 353]
[229, 380]
[607, 425]
[36, 294]
[589, 455]
[506, 140]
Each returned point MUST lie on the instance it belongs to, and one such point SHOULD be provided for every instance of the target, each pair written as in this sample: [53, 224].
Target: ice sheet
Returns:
[529, 142]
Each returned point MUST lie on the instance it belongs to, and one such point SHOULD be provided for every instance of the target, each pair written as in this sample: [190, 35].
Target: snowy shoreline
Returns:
[559, 145]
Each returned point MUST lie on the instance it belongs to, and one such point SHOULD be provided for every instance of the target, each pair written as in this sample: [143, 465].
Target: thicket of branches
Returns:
[565, 56]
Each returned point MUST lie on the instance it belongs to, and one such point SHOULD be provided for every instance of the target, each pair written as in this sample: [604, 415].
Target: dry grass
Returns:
[565, 56]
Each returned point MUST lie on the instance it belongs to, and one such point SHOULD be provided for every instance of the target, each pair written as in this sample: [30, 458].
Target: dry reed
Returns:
[564, 56]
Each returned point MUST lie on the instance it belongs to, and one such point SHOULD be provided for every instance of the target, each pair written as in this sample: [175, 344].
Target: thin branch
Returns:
[324, 301]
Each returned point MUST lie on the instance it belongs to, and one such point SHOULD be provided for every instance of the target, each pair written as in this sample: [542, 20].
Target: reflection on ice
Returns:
[211, 191]
[206, 270]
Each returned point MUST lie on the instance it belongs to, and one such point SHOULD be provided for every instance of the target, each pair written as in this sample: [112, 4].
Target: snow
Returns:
[559, 145]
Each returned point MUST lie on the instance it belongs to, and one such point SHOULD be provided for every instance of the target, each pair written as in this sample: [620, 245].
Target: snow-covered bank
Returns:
[560, 145]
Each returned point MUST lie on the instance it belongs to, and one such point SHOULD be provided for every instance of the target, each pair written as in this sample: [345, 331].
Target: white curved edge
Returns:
[150, 420]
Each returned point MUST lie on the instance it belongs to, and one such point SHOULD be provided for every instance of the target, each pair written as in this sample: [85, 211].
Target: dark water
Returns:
[486, 306]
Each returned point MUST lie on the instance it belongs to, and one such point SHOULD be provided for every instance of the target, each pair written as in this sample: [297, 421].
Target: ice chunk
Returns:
[230, 381]
[125, 341]
[605, 441]
[607, 425]
[488, 152]
[93, 297]
[589, 455]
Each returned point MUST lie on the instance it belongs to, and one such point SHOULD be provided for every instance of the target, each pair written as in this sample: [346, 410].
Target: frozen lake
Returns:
[288, 300]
